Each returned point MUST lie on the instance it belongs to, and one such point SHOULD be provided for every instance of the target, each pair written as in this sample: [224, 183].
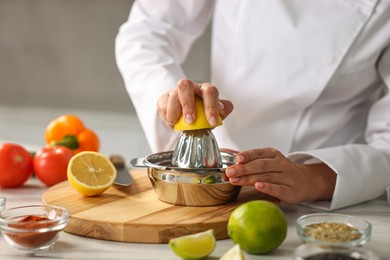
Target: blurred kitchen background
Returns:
[57, 57]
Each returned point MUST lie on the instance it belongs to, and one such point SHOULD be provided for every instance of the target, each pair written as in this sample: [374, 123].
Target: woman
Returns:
[308, 80]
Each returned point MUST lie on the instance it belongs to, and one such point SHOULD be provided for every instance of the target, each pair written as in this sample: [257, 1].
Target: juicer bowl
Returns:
[189, 186]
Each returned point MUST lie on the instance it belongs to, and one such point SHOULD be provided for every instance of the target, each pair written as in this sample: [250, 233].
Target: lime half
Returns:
[234, 253]
[194, 246]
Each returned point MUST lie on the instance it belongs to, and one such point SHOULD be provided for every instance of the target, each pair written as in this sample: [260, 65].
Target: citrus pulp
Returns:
[234, 253]
[194, 246]
[90, 173]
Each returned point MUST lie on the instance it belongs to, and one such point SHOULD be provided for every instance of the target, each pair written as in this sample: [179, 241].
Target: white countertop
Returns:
[69, 246]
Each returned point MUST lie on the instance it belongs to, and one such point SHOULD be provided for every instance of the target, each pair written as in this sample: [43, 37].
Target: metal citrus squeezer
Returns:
[196, 146]
[193, 173]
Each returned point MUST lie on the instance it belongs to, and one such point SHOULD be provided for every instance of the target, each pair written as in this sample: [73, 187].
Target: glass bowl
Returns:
[317, 252]
[3, 202]
[33, 228]
[336, 230]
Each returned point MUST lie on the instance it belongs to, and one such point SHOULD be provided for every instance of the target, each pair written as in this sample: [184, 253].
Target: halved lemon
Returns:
[194, 246]
[91, 173]
[234, 253]
[200, 119]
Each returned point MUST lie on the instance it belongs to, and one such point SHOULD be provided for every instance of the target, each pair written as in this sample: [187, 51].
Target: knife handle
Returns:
[118, 161]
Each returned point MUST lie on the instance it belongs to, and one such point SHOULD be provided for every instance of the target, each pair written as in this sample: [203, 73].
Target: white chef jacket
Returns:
[309, 78]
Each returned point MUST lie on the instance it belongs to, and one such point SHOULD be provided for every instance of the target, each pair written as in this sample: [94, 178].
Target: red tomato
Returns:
[15, 165]
[50, 164]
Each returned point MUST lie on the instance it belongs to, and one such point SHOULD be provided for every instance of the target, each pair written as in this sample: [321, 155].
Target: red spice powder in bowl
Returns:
[33, 228]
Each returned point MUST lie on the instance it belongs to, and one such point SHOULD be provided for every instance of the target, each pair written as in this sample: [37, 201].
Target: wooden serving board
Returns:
[134, 214]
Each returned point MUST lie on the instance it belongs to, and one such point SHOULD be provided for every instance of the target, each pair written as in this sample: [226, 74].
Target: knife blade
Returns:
[123, 176]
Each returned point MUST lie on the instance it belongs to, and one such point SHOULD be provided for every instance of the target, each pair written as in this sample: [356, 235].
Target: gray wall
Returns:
[60, 53]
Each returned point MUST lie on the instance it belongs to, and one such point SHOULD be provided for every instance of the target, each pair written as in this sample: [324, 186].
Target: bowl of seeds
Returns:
[333, 230]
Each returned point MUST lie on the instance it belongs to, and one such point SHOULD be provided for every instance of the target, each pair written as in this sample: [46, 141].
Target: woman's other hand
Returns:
[270, 172]
[181, 100]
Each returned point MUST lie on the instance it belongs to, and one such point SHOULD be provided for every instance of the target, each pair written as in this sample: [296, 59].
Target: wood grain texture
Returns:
[134, 213]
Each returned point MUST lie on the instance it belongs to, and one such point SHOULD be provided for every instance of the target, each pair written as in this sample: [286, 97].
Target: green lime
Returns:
[195, 246]
[258, 226]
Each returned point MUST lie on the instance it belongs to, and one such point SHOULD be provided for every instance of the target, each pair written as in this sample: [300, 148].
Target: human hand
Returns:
[181, 100]
[270, 172]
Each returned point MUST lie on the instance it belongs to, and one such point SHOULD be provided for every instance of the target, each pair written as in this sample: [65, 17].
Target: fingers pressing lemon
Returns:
[195, 246]
[91, 173]
[200, 119]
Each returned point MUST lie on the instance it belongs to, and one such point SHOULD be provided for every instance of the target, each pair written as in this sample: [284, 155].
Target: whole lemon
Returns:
[258, 226]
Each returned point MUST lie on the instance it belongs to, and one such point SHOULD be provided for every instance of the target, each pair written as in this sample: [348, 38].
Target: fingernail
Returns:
[259, 185]
[232, 180]
[213, 121]
[230, 172]
[239, 158]
[189, 119]
[221, 106]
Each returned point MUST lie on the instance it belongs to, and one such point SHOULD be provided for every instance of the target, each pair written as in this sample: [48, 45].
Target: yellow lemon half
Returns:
[200, 119]
[91, 173]
[258, 226]
[195, 246]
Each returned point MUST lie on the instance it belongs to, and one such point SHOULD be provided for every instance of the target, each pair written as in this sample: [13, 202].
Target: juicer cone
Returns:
[197, 149]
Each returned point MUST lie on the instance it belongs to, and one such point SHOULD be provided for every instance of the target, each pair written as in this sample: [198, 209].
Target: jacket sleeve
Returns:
[363, 170]
[150, 48]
